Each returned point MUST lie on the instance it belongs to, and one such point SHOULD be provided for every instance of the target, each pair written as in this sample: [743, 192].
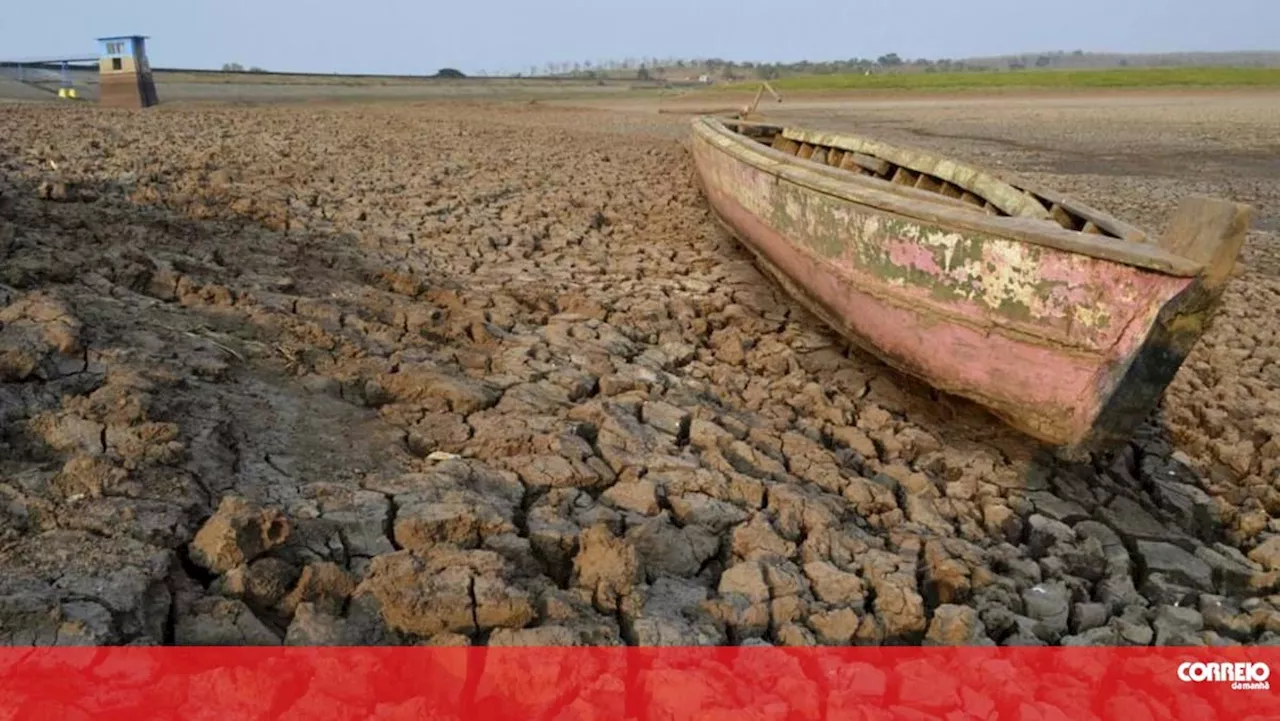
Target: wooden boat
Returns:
[1062, 320]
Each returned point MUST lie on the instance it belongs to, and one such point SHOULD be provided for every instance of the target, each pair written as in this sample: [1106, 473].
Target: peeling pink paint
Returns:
[910, 254]
[1117, 290]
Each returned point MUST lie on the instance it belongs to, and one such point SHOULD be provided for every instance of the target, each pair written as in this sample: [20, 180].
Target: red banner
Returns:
[577, 684]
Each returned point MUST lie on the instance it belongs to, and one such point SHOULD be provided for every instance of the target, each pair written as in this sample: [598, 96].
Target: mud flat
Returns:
[481, 373]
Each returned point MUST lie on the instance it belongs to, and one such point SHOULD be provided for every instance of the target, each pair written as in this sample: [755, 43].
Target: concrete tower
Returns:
[124, 73]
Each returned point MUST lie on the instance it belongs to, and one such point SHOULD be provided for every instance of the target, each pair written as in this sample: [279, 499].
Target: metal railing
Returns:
[48, 75]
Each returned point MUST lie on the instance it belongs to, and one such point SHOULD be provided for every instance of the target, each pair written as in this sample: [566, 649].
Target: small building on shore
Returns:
[124, 73]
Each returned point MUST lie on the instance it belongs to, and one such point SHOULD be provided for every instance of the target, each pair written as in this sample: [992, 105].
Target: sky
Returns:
[509, 36]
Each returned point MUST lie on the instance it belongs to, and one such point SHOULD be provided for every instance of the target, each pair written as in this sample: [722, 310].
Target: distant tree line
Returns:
[238, 68]
[646, 68]
[657, 68]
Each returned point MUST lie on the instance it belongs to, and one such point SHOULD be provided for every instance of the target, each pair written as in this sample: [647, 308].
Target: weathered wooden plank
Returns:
[929, 183]
[1063, 218]
[951, 191]
[1009, 199]
[902, 176]
[786, 145]
[850, 163]
[1107, 223]
[875, 165]
[1209, 231]
[835, 156]
[819, 155]
[806, 150]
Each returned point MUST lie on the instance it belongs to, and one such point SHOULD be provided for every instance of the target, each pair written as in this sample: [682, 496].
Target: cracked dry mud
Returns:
[478, 374]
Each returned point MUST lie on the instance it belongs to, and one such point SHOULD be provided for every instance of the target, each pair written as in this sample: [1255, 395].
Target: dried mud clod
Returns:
[261, 385]
[237, 533]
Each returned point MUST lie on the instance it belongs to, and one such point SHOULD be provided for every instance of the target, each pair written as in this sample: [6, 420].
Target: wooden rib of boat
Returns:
[1062, 320]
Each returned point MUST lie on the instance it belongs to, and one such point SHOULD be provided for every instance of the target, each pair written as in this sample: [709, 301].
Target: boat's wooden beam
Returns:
[1009, 199]
[929, 183]
[859, 174]
[785, 145]
[1209, 231]
[1104, 222]
[1063, 218]
[1030, 200]
[875, 165]
[864, 164]
[853, 163]
[903, 176]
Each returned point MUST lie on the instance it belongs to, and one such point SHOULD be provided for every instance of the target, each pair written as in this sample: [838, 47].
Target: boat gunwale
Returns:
[907, 191]
[1016, 199]
[859, 189]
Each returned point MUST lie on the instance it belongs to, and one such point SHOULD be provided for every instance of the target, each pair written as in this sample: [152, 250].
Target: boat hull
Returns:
[1071, 349]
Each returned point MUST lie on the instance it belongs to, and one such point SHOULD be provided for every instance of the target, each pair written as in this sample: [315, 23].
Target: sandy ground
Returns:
[488, 373]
